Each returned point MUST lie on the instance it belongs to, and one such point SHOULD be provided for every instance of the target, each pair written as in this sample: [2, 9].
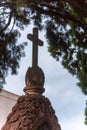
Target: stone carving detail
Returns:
[34, 77]
[36, 42]
[44, 127]
[34, 80]
[32, 112]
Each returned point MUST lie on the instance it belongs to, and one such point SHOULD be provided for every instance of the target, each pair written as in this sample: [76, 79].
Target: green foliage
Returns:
[10, 54]
[69, 46]
[10, 50]
[86, 114]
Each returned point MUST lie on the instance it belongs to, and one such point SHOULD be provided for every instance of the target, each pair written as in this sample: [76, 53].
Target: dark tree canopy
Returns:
[65, 24]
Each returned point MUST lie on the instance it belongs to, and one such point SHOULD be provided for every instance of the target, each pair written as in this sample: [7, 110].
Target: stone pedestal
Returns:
[32, 112]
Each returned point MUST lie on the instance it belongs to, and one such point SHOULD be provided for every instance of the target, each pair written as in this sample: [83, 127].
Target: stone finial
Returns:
[34, 78]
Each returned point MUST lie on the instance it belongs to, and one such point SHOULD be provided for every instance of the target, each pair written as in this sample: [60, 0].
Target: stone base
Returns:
[36, 90]
[32, 112]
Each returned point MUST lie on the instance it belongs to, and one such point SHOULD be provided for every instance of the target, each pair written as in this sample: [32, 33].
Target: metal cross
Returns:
[36, 42]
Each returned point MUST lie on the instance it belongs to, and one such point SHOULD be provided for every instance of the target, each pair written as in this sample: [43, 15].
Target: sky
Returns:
[60, 86]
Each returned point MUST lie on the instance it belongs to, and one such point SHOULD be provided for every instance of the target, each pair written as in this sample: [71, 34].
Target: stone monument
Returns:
[33, 111]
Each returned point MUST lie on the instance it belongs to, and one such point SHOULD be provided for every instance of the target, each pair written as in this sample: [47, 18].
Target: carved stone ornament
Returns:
[32, 112]
[34, 80]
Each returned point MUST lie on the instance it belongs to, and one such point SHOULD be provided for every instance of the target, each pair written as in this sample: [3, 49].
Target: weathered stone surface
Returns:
[34, 80]
[36, 42]
[32, 112]
[34, 76]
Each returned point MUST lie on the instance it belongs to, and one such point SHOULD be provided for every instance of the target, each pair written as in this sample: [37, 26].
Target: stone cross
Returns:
[36, 42]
